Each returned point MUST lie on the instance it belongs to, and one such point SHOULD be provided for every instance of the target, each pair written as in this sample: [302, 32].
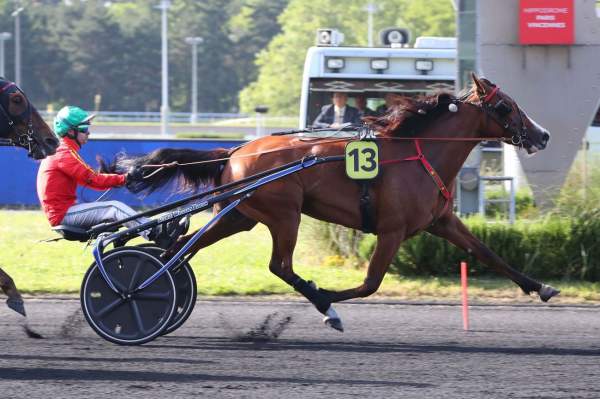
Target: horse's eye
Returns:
[502, 108]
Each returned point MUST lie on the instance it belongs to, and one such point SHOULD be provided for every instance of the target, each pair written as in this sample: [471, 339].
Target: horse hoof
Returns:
[17, 305]
[336, 324]
[547, 292]
[332, 320]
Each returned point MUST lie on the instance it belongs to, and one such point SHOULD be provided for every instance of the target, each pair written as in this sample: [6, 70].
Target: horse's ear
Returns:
[479, 84]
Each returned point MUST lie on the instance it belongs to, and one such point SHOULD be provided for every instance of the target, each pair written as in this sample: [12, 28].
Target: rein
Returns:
[177, 164]
[160, 167]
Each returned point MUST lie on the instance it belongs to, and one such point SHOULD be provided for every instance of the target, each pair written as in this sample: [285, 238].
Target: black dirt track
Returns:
[234, 348]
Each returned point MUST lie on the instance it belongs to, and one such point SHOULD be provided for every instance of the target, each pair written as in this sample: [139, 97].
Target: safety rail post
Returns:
[464, 296]
[481, 196]
[512, 204]
[511, 199]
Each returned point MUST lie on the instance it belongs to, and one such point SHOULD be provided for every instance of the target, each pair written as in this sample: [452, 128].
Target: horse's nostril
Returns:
[546, 137]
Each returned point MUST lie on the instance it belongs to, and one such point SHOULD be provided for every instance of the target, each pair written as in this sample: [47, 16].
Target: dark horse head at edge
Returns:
[21, 125]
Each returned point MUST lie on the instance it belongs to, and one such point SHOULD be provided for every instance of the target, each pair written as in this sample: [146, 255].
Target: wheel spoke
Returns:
[118, 285]
[137, 316]
[184, 285]
[136, 272]
[161, 296]
[110, 307]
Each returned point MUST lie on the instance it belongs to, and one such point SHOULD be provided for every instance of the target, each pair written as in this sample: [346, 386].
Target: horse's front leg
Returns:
[452, 229]
[14, 301]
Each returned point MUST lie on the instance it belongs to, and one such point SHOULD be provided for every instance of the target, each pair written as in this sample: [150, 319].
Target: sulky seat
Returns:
[72, 233]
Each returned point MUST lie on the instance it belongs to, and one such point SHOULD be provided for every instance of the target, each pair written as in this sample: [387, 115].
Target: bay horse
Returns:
[21, 126]
[422, 146]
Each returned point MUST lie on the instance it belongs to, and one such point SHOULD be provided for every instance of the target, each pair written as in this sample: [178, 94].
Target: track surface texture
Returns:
[273, 349]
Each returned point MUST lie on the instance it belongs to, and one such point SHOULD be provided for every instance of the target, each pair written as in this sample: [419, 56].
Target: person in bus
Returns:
[336, 114]
[361, 104]
[59, 176]
[389, 101]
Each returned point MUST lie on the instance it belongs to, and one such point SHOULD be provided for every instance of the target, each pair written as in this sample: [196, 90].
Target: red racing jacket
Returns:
[60, 174]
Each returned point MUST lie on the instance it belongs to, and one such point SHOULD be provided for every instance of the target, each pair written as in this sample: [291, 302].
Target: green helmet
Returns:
[71, 117]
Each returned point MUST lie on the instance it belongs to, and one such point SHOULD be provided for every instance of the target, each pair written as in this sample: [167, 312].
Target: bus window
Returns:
[375, 101]
[316, 101]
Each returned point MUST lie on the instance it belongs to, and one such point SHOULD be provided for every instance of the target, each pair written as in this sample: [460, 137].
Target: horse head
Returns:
[511, 122]
[21, 125]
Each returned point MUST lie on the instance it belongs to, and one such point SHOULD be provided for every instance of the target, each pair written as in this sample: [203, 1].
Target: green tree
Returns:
[217, 80]
[251, 29]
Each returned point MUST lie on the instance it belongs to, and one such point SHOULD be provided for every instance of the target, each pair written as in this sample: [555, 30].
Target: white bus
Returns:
[374, 71]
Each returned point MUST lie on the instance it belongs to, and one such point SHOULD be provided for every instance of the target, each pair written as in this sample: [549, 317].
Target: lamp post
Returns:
[370, 8]
[16, 14]
[194, 42]
[4, 36]
[164, 107]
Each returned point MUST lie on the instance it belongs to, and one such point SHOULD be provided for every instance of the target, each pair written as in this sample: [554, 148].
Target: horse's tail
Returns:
[188, 169]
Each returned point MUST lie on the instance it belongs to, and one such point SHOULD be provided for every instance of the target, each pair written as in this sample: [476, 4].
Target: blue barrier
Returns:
[19, 172]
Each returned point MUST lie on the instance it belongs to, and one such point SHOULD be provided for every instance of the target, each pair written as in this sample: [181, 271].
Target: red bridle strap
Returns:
[491, 94]
[430, 170]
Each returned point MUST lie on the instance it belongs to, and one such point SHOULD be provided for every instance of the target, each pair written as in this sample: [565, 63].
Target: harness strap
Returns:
[491, 94]
[366, 210]
[428, 167]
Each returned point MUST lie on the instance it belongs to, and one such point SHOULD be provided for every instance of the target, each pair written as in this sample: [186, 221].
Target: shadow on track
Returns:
[94, 359]
[53, 374]
[369, 347]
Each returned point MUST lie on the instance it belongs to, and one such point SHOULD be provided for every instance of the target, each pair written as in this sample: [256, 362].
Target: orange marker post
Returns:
[465, 301]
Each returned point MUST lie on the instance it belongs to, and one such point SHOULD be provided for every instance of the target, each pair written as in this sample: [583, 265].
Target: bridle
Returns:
[23, 139]
[498, 113]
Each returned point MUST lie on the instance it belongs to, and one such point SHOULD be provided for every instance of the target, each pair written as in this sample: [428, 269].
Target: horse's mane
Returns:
[409, 115]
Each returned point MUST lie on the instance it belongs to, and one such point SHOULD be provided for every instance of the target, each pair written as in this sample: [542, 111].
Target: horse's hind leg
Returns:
[14, 301]
[230, 224]
[284, 235]
[453, 230]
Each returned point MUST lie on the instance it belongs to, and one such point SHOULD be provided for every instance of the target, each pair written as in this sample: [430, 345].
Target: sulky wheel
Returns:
[128, 318]
[185, 284]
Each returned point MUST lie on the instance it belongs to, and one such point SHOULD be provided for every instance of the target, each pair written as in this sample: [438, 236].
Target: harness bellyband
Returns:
[430, 170]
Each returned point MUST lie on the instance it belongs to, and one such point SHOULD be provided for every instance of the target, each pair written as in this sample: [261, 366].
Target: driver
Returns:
[59, 176]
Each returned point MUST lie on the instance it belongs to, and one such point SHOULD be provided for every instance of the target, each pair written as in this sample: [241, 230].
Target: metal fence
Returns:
[174, 117]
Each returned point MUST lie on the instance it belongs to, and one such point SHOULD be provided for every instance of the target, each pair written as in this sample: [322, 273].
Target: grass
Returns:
[236, 266]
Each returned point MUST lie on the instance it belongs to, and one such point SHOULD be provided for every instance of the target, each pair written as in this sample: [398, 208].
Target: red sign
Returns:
[546, 22]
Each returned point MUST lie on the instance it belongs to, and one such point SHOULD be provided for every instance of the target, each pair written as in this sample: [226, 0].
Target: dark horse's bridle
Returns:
[499, 112]
[23, 139]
